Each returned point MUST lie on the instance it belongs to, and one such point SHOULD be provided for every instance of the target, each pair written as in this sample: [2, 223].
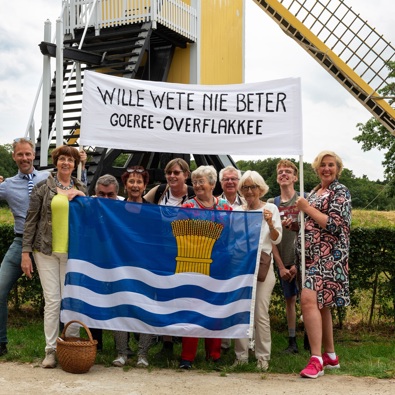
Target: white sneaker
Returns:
[262, 365]
[49, 361]
[120, 361]
[142, 362]
[239, 362]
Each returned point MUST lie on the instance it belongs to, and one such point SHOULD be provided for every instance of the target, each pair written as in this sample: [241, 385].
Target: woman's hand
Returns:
[27, 265]
[268, 216]
[72, 193]
[302, 203]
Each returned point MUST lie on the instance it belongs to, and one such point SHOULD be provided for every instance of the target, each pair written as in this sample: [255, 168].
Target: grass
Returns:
[363, 352]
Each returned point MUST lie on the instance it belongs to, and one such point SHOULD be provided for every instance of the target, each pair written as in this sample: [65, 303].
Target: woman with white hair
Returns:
[253, 187]
[204, 179]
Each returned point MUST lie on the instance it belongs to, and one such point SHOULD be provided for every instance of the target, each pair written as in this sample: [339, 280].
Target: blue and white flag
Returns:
[161, 270]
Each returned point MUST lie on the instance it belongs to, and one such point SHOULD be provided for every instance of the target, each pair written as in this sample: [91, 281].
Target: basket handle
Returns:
[77, 322]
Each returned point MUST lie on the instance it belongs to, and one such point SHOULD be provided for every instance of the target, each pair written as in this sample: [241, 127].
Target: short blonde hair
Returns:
[318, 160]
[257, 179]
[206, 171]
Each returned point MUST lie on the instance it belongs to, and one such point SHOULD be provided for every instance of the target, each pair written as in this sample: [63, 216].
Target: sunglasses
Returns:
[18, 139]
[135, 170]
[175, 172]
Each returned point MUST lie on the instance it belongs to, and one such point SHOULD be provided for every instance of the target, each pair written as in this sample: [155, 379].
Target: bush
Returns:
[26, 290]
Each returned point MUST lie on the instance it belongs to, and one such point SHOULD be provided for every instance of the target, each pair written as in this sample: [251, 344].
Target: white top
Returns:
[170, 200]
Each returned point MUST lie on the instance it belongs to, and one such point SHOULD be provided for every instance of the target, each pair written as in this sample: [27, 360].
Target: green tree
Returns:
[365, 193]
[8, 167]
[375, 135]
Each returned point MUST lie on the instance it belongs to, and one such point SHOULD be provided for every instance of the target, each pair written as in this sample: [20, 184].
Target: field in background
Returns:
[360, 218]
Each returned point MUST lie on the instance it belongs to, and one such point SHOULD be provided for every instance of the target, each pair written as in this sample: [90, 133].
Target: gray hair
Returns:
[106, 181]
[22, 140]
[257, 179]
[229, 168]
[206, 171]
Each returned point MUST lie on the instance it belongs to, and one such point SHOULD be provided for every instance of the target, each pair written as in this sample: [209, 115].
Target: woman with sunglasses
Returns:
[46, 235]
[204, 179]
[175, 192]
[135, 179]
[253, 187]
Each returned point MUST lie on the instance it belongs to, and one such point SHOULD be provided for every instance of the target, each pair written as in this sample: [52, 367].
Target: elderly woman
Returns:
[327, 213]
[253, 187]
[204, 179]
[175, 192]
[46, 235]
[135, 179]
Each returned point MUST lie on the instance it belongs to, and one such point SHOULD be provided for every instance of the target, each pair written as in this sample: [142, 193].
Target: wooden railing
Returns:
[174, 14]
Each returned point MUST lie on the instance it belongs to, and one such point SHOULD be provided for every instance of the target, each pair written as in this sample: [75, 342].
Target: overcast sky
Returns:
[330, 113]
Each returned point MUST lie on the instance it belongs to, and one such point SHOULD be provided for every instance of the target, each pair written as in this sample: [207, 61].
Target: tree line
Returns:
[372, 195]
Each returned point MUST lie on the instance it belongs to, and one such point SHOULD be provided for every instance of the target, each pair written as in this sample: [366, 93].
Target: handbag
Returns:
[264, 264]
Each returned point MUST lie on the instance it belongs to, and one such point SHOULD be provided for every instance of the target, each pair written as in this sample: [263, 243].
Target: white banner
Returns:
[262, 118]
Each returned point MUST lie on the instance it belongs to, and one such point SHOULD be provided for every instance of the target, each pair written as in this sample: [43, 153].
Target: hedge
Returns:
[372, 276]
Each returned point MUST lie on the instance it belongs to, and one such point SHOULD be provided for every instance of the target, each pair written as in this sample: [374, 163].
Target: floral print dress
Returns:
[327, 250]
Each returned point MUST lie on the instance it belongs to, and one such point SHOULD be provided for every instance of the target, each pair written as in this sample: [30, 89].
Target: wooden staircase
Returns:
[130, 51]
[353, 52]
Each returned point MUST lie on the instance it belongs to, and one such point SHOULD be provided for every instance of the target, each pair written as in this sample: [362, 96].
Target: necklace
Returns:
[202, 205]
[61, 186]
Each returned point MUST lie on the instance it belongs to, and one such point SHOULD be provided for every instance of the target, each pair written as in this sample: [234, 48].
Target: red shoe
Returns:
[330, 363]
[313, 369]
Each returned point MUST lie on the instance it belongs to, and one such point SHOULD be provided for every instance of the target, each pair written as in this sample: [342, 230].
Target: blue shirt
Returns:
[14, 190]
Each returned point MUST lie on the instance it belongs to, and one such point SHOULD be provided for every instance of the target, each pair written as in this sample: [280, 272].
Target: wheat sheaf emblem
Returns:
[195, 241]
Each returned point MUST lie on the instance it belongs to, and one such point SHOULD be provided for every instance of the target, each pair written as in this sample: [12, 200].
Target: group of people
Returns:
[39, 203]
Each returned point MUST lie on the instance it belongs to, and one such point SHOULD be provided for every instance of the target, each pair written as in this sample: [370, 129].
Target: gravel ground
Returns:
[32, 379]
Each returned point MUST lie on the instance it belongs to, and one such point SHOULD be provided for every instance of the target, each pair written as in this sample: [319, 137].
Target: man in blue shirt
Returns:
[16, 192]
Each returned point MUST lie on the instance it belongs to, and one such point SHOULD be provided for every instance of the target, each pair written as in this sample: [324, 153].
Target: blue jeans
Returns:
[10, 271]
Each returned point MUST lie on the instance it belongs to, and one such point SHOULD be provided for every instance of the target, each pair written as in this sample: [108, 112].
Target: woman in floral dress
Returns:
[327, 212]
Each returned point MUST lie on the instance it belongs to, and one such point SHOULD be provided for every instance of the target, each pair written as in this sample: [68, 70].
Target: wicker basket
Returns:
[75, 354]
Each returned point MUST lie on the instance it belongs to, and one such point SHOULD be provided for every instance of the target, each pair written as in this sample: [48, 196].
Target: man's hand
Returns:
[284, 274]
[293, 271]
[83, 158]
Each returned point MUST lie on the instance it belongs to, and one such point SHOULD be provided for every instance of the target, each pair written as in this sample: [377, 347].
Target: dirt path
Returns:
[31, 379]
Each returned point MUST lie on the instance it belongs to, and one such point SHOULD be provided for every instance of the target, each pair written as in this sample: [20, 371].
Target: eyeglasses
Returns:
[175, 172]
[18, 139]
[198, 182]
[245, 188]
[231, 179]
[135, 170]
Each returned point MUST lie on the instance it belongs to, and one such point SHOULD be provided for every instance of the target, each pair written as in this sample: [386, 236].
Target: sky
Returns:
[329, 112]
